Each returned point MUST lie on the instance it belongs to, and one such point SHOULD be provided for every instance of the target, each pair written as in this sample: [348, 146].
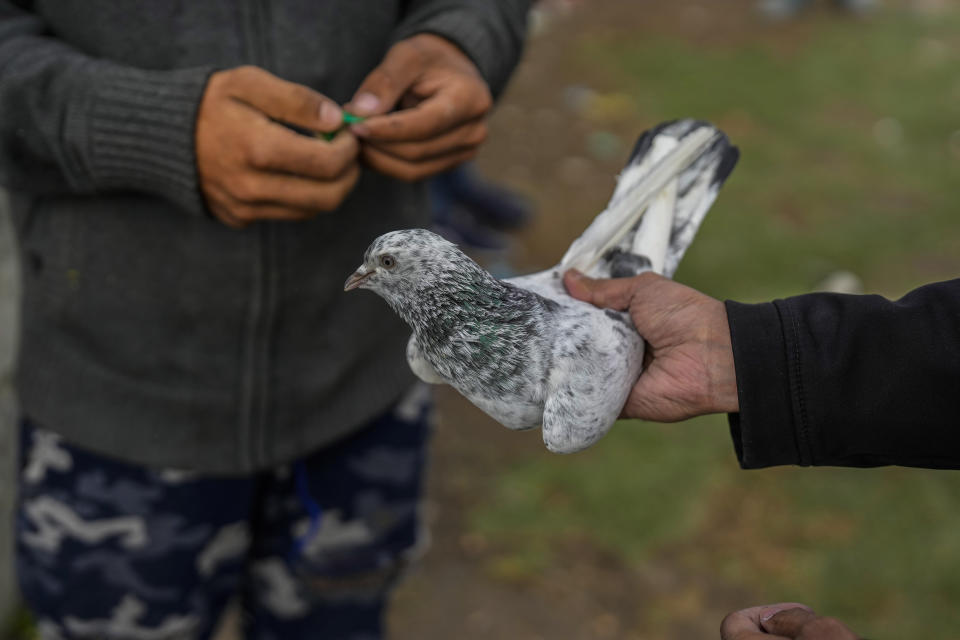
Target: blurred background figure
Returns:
[784, 9]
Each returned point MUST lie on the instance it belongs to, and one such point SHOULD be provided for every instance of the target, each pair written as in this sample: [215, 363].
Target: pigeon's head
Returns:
[400, 263]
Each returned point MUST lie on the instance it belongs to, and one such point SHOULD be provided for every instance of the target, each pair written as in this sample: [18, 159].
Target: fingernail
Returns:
[366, 104]
[329, 115]
[360, 130]
[769, 612]
[576, 275]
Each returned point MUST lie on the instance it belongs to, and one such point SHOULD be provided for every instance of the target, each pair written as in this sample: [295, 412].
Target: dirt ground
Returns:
[451, 594]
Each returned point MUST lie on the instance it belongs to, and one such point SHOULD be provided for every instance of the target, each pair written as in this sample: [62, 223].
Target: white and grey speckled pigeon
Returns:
[522, 349]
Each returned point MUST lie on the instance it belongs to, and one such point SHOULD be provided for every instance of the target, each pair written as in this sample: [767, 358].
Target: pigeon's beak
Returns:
[357, 278]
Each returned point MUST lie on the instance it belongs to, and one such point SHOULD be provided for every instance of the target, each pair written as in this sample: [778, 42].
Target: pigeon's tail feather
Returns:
[663, 194]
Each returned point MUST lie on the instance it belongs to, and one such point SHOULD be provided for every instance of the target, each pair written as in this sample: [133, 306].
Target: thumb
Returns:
[614, 293]
[786, 619]
[382, 89]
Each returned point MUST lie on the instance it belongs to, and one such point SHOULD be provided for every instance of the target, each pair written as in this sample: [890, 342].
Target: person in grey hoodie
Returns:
[206, 416]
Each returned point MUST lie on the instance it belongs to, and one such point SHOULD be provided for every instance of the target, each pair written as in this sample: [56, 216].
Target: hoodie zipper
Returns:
[258, 342]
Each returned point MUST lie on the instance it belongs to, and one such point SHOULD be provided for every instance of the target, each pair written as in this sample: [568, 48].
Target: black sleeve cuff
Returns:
[764, 432]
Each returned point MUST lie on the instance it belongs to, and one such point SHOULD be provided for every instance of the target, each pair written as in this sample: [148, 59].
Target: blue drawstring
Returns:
[313, 509]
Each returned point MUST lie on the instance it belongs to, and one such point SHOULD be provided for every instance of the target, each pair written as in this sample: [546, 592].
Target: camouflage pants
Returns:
[110, 550]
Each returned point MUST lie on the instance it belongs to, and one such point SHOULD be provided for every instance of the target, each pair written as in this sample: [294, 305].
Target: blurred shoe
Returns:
[496, 207]
[781, 9]
[491, 205]
[463, 231]
[860, 7]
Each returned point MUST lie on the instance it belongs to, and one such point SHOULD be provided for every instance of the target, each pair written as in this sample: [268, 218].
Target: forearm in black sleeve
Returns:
[73, 123]
[829, 379]
[490, 32]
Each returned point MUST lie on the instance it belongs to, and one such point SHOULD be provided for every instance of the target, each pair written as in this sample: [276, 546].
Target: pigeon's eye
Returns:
[388, 262]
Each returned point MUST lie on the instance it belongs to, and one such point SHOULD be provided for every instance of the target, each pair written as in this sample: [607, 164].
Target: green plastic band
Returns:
[348, 119]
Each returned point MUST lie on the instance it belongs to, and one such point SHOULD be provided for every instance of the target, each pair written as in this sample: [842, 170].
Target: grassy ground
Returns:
[850, 137]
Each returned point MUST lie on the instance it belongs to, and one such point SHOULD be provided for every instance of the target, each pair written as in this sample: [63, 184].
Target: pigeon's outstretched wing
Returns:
[662, 196]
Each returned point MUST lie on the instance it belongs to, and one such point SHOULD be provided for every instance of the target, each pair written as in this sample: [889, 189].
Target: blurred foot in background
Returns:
[473, 212]
[785, 9]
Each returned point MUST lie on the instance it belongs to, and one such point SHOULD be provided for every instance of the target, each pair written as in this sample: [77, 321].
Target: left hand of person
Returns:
[443, 106]
[784, 621]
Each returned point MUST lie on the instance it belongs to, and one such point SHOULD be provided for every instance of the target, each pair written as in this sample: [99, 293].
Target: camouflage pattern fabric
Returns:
[109, 550]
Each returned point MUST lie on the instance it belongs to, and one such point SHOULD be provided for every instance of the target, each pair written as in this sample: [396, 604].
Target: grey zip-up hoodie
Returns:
[151, 331]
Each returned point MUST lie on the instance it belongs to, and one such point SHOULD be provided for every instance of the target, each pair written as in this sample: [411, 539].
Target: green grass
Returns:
[20, 626]
[573, 496]
[816, 191]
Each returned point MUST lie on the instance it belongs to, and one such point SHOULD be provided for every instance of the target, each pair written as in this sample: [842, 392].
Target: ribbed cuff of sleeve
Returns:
[494, 48]
[137, 132]
[764, 431]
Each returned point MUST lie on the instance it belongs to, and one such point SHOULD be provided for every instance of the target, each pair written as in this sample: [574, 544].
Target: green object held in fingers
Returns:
[348, 119]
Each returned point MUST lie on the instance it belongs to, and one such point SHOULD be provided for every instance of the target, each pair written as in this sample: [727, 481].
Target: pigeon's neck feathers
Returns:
[446, 294]
[464, 319]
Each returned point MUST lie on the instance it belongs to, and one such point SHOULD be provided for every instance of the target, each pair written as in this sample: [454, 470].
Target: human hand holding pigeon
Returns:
[689, 369]
[523, 349]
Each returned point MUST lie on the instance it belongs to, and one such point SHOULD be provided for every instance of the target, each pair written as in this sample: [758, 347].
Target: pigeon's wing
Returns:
[419, 365]
[662, 196]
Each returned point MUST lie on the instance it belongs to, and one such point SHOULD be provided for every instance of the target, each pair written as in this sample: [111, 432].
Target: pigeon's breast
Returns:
[496, 350]
[494, 357]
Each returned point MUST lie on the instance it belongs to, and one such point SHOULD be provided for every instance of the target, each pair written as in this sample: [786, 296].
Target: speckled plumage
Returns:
[522, 349]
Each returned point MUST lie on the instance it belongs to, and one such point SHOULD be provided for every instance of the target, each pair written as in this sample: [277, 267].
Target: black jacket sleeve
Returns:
[828, 379]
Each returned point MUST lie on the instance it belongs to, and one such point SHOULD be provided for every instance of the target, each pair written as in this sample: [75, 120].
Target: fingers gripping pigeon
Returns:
[522, 349]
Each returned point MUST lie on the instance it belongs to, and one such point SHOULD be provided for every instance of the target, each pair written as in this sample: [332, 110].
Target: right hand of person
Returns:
[253, 168]
[444, 103]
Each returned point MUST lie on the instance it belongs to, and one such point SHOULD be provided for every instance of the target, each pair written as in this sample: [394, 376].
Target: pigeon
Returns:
[523, 350]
